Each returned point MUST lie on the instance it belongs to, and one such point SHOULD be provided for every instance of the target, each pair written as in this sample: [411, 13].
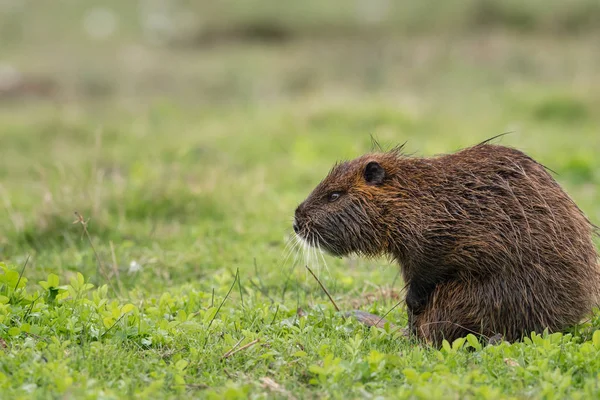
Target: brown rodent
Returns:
[487, 240]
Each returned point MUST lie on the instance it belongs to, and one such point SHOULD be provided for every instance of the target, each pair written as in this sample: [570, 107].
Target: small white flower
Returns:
[94, 332]
[29, 387]
[134, 267]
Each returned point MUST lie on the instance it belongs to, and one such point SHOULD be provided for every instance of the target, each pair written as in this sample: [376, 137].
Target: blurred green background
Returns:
[186, 132]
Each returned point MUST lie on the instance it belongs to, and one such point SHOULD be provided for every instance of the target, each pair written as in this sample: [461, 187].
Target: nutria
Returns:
[488, 242]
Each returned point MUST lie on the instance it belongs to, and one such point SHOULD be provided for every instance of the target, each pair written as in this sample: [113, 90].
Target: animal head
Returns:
[346, 212]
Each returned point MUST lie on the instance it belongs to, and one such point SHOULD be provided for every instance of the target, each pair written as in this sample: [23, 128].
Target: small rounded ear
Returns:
[374, 173]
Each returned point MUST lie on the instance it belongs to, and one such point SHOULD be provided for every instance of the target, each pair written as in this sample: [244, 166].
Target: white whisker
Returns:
[315, 260]
[324, 261]
[289, 248]
[321, 252]
[295, 249]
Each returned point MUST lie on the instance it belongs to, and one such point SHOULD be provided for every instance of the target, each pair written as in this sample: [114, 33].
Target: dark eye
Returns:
[333, 196]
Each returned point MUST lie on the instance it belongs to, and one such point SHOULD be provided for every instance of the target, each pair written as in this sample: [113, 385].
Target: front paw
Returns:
[415, 303]
[414, 306]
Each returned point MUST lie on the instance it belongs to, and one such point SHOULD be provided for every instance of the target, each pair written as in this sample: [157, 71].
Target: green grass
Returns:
[187, 163]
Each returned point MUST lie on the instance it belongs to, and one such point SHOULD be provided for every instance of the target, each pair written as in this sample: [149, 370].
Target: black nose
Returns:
[296, 227]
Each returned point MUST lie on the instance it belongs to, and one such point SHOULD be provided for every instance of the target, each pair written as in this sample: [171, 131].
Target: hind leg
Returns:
[418, 295]
[449, 314]
[499, 305]
[457, 308]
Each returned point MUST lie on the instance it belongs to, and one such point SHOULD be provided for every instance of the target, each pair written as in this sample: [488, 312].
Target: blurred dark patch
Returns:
[493, 13]
[569, 17]
[27, 87]
[272, 31]
[253, 31]
[271, 22]
[561, 109]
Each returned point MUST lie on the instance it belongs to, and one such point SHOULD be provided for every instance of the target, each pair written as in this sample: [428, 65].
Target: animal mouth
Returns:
[315, 240]
[306, 238]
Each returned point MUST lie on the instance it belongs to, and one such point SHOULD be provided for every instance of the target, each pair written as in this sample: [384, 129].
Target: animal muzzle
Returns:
[298, 218]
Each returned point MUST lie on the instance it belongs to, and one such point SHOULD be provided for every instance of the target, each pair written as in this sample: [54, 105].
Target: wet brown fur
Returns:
[487, 240]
